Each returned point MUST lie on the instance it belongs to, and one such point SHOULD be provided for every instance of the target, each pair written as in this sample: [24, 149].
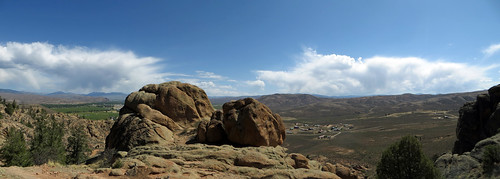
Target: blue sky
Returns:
[251, 47]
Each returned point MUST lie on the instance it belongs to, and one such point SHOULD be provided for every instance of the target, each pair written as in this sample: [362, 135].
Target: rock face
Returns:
[477, 127]
[155, 113]
[478, 120]
[245, 122]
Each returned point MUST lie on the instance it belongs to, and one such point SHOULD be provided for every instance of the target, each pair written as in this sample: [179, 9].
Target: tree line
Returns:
[47, 145]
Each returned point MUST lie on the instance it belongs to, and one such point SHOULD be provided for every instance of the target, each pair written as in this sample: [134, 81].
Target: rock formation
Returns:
[245, 122]
[478, 120]
[477, 127]
[147, 133]
[155, 113]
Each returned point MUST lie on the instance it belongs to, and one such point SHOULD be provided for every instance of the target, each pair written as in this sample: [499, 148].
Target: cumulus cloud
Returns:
[343, 75]
[257, 83]
[492, 49]
[45, 67]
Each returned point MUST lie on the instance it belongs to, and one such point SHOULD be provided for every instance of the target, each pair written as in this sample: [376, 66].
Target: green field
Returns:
[92, 111]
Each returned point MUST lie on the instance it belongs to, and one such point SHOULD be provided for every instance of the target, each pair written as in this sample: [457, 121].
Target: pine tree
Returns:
[47, 143]
[14, 152]
[9, 109]
[77, 148]
[405, 159]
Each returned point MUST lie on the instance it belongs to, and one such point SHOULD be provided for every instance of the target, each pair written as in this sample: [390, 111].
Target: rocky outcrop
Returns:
[478, 120]
[156, 113]
[245, 122]
[224, 161]
[467, 165]
[477, 127]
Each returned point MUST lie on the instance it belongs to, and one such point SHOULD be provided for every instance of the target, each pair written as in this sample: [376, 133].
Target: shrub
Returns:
[405, 159]
[491, 156]
[118, 164]
[78, 147]
[14, 152]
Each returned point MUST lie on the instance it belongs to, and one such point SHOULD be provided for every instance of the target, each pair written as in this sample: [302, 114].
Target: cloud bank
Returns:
[45, 67]
[343, 75]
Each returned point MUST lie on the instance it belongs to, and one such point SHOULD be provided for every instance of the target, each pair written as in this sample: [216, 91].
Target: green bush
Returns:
[14, 152]
[78, 147]
[118, 164]
[491, 156]
[405, 159]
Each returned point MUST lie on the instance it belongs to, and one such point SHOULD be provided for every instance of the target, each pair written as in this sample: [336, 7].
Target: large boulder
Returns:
[156, 113]
[250, 123]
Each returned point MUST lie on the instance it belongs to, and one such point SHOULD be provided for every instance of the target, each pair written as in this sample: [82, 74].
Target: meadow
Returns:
[92, 111]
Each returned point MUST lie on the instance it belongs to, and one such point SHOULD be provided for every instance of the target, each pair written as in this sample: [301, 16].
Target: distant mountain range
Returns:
[314, 106]
[60, 97]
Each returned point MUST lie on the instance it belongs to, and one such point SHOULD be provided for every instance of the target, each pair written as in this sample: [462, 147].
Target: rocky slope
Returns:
[24, 118]
[477, 128]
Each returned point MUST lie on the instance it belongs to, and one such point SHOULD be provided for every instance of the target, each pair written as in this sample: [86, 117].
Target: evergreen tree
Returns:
[14, 104]
[47, 143]
[78, 147]
[14, 152]
[9, 109]
[405, 159]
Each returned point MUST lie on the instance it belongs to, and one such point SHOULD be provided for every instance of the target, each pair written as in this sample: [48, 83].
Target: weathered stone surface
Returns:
[156, 116]
[219, 161]
[300, 161]
[344, 172]
[249, 122]
[328, 167]
[458, 166]
[130, 130]
[158, 112]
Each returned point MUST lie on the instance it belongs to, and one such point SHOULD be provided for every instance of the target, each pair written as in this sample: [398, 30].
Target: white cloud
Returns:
[45, 67]
[343, 75]
[257, 83]
[492, 49]
[212, 88]
[209, 75]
